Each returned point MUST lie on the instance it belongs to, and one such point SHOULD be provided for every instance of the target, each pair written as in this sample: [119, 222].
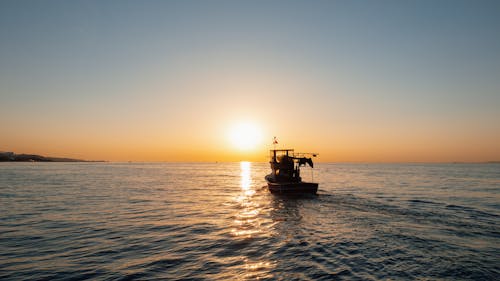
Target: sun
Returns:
[245, 136]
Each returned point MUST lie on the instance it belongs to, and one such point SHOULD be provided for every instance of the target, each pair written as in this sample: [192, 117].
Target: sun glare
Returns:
[245, 136]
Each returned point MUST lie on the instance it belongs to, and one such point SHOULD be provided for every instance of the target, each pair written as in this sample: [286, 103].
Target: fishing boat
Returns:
[285, 177]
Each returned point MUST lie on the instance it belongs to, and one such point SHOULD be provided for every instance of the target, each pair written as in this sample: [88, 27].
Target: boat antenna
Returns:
[275, 142]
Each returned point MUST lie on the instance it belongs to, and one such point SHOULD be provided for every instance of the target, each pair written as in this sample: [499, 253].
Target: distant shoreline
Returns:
[13, 157]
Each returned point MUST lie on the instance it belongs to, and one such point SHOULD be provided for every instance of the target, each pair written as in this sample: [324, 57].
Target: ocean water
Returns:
[146, 221]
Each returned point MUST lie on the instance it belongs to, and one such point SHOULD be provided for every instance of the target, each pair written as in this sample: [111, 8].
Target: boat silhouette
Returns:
[285, 176]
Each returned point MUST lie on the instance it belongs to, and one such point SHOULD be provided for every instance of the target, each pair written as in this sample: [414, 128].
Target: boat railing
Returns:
[305, 154]
[276, 154]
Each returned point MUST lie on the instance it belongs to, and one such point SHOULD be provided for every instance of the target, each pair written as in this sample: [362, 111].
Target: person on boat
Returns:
[283, 167]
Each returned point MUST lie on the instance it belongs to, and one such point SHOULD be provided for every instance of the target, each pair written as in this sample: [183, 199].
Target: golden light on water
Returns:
[247, 217]
[258, 270]
[251, 222]
[247, 222]
[246, 179]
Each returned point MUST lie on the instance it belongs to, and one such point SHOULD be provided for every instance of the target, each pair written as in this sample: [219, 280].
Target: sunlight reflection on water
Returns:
[251, 224]
[246, 179]
[247, 222]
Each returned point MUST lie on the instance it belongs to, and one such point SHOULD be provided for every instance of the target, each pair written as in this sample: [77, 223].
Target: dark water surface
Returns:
[112, 221]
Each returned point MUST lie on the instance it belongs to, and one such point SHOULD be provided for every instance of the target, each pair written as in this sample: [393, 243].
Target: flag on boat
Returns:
[275, 141]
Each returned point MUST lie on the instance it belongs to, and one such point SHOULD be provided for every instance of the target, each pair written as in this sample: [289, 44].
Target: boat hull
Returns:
[292, 187]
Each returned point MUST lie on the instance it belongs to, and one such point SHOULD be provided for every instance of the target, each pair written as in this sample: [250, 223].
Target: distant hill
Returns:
[13, 157]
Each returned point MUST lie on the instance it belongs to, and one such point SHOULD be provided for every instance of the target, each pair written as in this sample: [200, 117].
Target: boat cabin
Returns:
[285, 164]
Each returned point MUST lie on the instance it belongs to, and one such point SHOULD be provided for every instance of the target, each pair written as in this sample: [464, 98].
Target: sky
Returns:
[355, 81]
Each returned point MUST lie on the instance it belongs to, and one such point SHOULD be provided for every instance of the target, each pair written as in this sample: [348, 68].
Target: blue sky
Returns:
[363, 72]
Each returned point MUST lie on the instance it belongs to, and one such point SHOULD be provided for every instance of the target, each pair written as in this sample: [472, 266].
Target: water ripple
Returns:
[119, 221]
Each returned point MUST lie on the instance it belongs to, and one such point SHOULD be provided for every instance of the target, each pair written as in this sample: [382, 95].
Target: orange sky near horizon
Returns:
[214, 144]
